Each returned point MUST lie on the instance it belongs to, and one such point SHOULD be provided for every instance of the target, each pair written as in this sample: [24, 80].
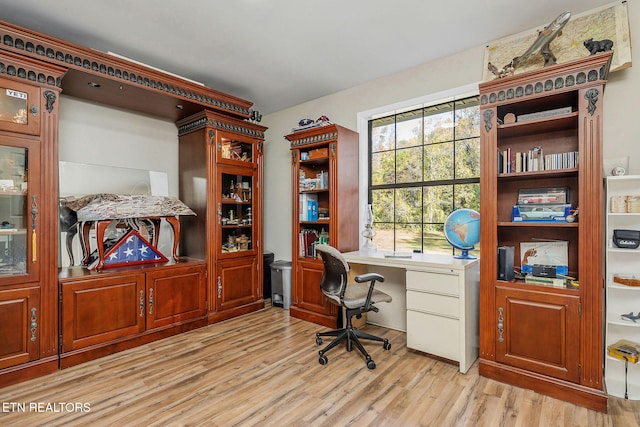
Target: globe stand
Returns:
[465, 254]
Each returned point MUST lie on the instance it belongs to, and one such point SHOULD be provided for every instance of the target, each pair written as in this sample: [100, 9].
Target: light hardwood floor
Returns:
[262, 369]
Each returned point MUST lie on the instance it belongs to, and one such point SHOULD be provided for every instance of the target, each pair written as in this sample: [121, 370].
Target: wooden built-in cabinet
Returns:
[19, 310]
[324, 163]
[126, 306]
[221, 180]
[546, 338]
[115, 309]
[28, 218]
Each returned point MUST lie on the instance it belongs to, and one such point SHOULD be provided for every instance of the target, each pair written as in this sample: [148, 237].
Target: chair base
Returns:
[351, 336]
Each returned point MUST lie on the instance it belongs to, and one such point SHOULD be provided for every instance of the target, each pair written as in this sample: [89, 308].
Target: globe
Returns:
[462, 230]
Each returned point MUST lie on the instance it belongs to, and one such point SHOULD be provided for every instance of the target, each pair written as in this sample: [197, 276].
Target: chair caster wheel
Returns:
[371, 364]
[386, 345]
[318, 341]
[323, 360]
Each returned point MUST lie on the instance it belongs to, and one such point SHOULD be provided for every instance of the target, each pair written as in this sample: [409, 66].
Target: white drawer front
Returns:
[433, 282]
[433, 303]
[433, 334]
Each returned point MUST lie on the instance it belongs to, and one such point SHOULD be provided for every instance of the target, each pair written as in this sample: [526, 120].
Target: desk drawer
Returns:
[433, 303]
[433, 282]
[433, 334]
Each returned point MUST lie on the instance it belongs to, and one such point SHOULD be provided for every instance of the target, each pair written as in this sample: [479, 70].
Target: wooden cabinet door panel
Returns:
[98, 310]
[19, 326]
[19, 107]
[309, 295]
[539, 332]
[236, 283]
[175, 295]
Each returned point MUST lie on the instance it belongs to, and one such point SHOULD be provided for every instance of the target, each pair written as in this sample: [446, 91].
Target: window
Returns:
[423, 164]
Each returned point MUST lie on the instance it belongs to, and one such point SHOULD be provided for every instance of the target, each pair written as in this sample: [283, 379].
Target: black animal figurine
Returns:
[595, 46]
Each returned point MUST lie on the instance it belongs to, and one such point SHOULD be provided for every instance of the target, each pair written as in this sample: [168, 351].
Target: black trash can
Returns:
[268, 258]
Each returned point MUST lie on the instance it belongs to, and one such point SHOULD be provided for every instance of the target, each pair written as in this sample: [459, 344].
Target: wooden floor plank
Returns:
[262, 369]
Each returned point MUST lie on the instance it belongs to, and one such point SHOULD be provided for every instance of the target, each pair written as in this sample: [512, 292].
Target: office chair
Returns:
[356, 299]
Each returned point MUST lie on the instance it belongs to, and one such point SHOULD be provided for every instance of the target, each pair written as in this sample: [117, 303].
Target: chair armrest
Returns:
[367, 277]
[371, 278]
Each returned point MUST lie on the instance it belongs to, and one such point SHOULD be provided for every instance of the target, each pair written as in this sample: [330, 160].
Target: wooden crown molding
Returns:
[19, 68]
[557, 78]
[48, 49]
[220, 122]
[313, 135]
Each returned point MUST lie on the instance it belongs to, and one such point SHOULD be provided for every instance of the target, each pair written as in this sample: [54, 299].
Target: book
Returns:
[505, 161]
[556, 282]
[312, 210]
[305, 198]
[543, 114]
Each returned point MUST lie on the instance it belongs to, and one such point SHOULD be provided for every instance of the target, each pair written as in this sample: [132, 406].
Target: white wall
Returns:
[621, 132]
[95, 134]
[91, 133]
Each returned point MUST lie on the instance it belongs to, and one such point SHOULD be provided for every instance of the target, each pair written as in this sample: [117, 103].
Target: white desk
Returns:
[435, 301]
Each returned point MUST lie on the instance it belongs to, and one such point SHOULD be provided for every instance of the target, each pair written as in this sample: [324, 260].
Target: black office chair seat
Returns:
[356, 299]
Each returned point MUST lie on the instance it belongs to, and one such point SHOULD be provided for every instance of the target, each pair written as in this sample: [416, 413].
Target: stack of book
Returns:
[308, 207]
[535, 160]
[557, 282]
[307, 245]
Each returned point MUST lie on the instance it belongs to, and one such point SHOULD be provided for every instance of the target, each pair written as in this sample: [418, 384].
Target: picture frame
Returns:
[607, 22]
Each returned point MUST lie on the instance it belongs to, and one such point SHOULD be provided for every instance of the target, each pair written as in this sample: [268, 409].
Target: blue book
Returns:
[312, 210]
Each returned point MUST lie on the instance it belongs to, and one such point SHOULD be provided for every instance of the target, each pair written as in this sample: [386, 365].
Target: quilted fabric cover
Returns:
[99, 207]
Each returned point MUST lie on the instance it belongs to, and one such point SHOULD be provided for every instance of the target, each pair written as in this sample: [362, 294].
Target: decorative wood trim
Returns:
[29, 71]
[558, 78]
[209, 119]
[50, 98]
[51, 50]
[305, 138]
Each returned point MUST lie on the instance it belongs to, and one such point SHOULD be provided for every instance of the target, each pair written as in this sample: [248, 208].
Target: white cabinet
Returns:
[623, 201]
[442, 313]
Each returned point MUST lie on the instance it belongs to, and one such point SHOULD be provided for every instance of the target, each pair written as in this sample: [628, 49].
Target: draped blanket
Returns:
[103, 206]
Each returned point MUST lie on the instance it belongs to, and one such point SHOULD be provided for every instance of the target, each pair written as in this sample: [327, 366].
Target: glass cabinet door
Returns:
[18, 210]
[233, 149]
[235, 212]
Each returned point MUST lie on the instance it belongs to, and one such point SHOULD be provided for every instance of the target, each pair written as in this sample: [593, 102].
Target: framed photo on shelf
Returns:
[549, 253]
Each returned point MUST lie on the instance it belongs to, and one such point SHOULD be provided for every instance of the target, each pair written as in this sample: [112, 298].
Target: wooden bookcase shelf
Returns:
[340, 202]
[543, 337]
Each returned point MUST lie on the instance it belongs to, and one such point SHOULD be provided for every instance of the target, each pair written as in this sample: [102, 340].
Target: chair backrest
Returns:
[335, 270]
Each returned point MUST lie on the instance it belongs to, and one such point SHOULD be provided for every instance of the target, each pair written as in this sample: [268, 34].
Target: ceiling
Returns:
[280, 53]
